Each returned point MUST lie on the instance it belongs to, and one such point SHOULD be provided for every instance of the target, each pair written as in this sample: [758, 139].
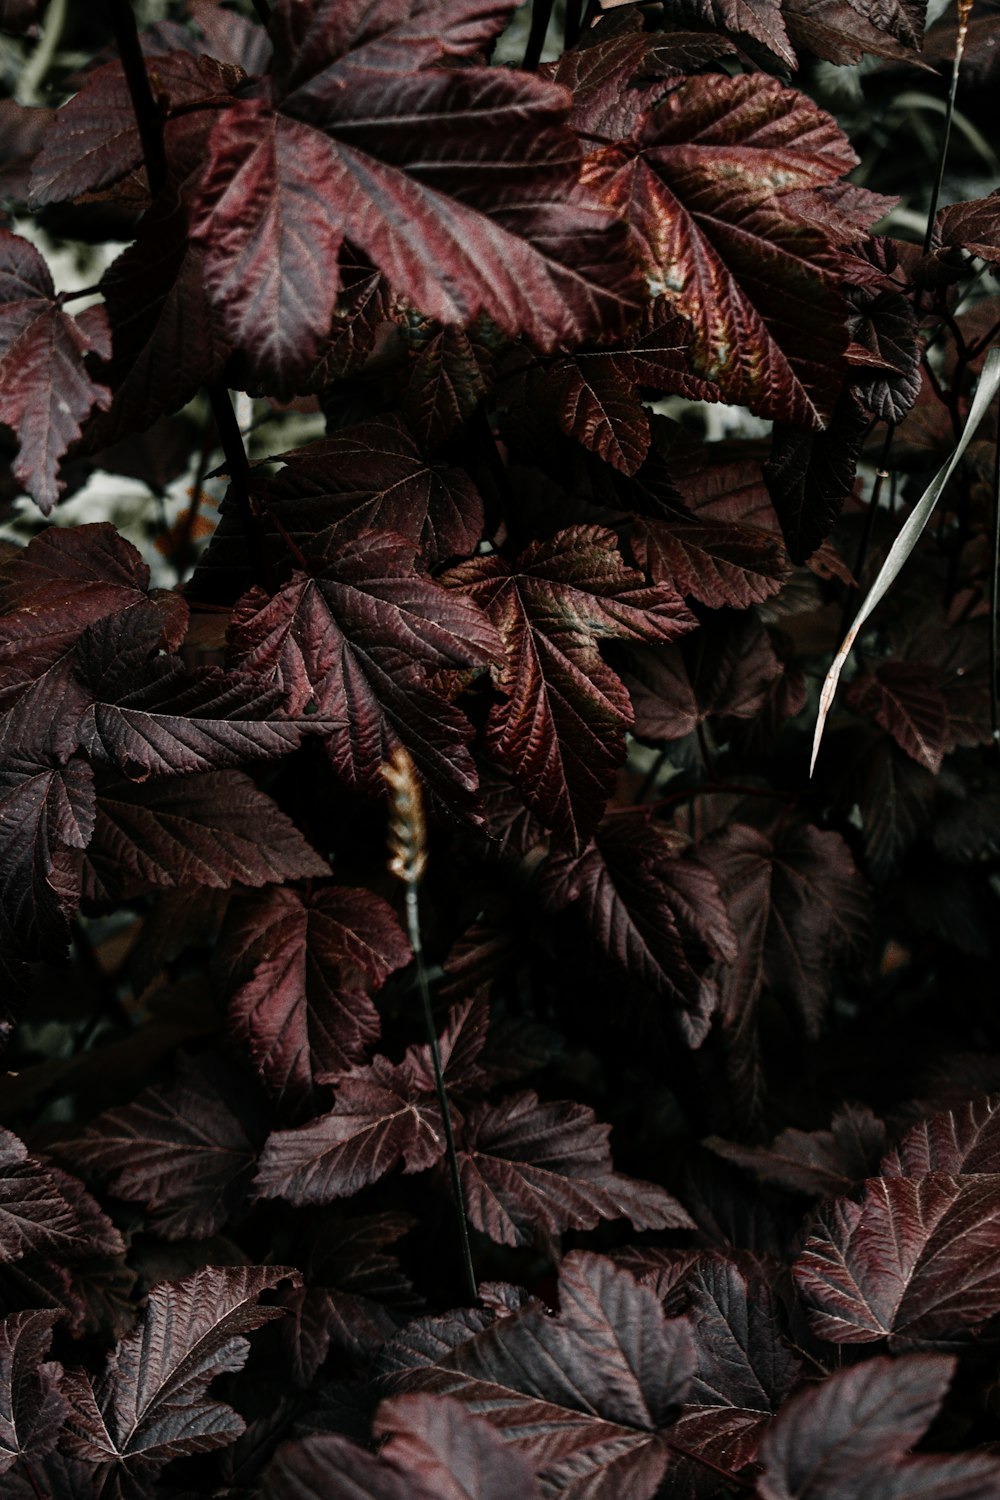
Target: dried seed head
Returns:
[407, 830]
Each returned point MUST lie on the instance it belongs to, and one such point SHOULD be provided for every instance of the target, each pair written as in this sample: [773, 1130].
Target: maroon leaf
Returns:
[32, 1407]
[885, 339]
[177, 1148]
[701, 181]
[359, 642]
[528, 1167]
[373, 477]
[849, 1439]
[43, 1212]
[595, 392]
[148, 715]
[298, 970]
[560, 732]
[974, 225]
[151, 1403]
[447, 384]
[744, 1369]
[810, 475]
[586, 1395]
[820, 1163]
[453, 1453]
[957, 1141]
[208, 830]
[95, 139]
[494, 220]
[375, 1124]
[46, 390]
[796, 903]
[231, 37]
[908, 705]
[726, 675]
[658, 916]
[913, 1262]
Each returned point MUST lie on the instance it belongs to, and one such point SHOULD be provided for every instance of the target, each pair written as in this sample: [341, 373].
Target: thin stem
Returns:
[571, 26]
[40, 61]
[239, 478]
[413, 929]
[652, 776]
[995, 591]
[964, 13]
[541, 14]
[185, 531]
[147, 115]
[263, 11]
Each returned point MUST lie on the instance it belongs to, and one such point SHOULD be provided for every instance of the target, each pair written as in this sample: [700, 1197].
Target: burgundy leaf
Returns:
[47, 815]
[726, 674]
[528, 1167]
[95, 138]
[744, 1369]
[375, 1124]
[231, 37]
[210, 830]
[494, 220]
[359, 642]
[151, 1403]
[447, 385]
[957, 1141]
[820, 1163]
[177, 1148]
[455, 1455]
[46, 390]
[849, 1438]
[373, 477]
[32, 1407]
[701, 181]
[43, 1212]
[885, 338]
[914, 1262]
[595, 392]
[560, 731]
[658, 916]
[908, 704]
[298, 968]
[974, 225]
[148, 715]
[586, 1395]
[810, 475]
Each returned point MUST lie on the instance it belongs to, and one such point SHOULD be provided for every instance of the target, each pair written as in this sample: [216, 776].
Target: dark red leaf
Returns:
[46, 390]
[913, 1262]
[595, 393]
[373, 477]
[95, 141]
[586, 1395]
[231, 37]
[744, 1369]
[452, 1453]
[528, 1167]
[32, 1407]
[885, 340]
[151, 1403]
[957, 1141]
[447, 384]
[820, 1163]
[297, 969]
[177, 1148]
[849, 1438]
[657, 915]
[701, 181]
[209, 830]
[43, 1212]
[494, 220]
[974, 225]
[561, 730]
[796, 903]
[359, 643]
[375, 1124]
[810, 475]
[144, 714]
[909, 705]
